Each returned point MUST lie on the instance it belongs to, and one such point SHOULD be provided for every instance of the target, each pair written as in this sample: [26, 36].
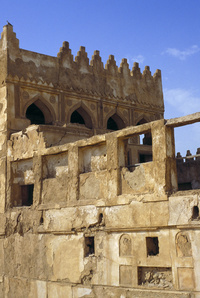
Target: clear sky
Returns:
[163, 34]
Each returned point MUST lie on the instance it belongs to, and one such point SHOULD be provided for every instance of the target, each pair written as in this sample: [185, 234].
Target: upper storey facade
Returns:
[75, 98]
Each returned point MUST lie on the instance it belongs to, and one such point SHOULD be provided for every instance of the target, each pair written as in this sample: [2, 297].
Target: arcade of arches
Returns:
[38, 113]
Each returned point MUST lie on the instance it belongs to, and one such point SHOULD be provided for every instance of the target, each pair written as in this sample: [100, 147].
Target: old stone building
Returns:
[94, 202]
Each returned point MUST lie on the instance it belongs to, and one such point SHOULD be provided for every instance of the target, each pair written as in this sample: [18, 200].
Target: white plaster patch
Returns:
[180, 209]
[9, 152]
[17, 180]
[28, 176]
[81, 292]
[66, 64]
[13, 215]
[83, 70]
[61, 170]
[38, 61]
[41, 289]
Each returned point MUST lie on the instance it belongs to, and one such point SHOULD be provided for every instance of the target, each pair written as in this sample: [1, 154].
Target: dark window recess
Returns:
[152, 246]
[27, 194]
[111, 124]
[128, 158]
[41, 219]
[100, 218]
[35, 115]
[89, 246]
[147, 139]
[195, 212]
[145, 158]
[185, 186]
[77, 118]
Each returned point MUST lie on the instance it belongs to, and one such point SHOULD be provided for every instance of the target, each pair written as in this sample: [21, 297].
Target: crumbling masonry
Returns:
[94, 202]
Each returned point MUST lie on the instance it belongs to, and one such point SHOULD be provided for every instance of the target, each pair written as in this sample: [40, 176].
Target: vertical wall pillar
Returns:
[115, 160]
[171, 170]
[159, 159]
[164, 158]
[37, 169]
[73, 162]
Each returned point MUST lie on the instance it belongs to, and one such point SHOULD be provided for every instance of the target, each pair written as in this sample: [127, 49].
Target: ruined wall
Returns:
[94, 228]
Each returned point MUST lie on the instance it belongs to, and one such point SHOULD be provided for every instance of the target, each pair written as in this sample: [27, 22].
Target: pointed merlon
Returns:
[122, 64]
[110, 61]
[95, 57]
[96, 62]
[136, 71]
[65, 50]
[65, 45]
[96, 53]
[147, 71]
[81, 51]
[157, 74]
[124, 67]
[111, 65]
[82, 57]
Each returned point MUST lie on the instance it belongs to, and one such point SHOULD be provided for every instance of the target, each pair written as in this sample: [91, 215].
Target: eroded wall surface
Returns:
[95, 228]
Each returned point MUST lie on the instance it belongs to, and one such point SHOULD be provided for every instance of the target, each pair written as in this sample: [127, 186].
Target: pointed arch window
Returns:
[80, 116]
[115, 122]
[35, 115]
[39, 113]
[77, 118]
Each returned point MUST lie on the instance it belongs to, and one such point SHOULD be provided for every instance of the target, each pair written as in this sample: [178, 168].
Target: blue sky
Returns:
[163, 34]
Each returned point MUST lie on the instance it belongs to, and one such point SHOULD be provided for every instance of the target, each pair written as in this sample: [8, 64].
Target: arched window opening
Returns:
[125, 246]
[39, 113]
[115, 123]
[35, 115]
[195, 212]
[183, 245]
[111, 124]
[77, 118]
[80, 116]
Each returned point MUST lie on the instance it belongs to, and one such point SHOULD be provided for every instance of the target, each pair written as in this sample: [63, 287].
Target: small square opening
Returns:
[89, 246]
[27, 195]
[152, 246]
[195, 213]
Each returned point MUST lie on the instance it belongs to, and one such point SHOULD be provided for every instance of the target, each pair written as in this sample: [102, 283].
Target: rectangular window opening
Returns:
[27, 195]
[187, 156]
[139, 150]
[152, 246]
[89, 246]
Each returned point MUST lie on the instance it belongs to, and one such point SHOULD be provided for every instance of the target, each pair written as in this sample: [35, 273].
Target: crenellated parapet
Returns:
[189, 157]
[80, 74]
[188, 168]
